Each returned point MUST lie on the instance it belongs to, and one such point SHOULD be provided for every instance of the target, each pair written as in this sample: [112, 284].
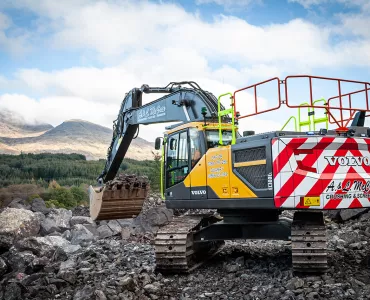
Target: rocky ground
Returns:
[62, 254]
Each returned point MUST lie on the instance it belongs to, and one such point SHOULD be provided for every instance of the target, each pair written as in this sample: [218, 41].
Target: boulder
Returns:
[125, 222]
[18, 203]
[67, 235]
[67, 271]
[104, 231]
[19, 261]
[56, 220]
[294, 283]
[332, 214]
[80, 220]
[16, 224]
[365, 216]
[346, 214]
[152, 219]
[80, 235]
[38, 205]
[159, 216]
[3, 267]
[114, 226]
[13, 292]
[42, 246]
[92, 228]
[65, 252]
[85, 293]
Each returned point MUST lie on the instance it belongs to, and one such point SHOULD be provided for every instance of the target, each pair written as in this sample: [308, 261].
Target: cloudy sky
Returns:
[71, 59]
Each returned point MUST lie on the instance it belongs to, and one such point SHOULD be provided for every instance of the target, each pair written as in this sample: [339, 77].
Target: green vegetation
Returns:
[67, 169]
[62, 179]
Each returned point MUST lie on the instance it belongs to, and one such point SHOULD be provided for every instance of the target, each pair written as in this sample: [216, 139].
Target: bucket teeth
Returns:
[121, 198]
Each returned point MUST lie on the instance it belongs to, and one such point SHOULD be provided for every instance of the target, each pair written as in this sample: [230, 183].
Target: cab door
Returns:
[198, 175]
[177, 166]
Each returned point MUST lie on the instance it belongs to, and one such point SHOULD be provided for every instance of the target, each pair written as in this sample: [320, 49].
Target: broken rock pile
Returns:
[53, 253]
[58, 254]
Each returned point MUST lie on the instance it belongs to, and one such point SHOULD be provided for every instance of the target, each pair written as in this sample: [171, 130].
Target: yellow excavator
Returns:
[249, 179]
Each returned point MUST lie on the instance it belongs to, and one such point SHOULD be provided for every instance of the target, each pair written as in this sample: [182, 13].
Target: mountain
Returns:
[14, 126]
[72, 136]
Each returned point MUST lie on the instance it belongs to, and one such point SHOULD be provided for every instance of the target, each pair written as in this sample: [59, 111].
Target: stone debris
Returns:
[124, 181]
[57, 220]
[69, 256]
[15, 224]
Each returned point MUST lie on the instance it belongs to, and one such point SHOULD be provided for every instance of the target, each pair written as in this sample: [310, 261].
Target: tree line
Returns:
[68, 169]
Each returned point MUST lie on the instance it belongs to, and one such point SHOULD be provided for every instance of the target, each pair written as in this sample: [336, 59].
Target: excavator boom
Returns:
[180, 104]
[123, 199]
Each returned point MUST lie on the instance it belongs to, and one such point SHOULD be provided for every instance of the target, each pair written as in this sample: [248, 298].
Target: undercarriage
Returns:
[189, 241]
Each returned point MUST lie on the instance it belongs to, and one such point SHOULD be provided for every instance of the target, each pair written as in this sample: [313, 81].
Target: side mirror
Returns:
[173, 144]
[248, 133]
[157, 144]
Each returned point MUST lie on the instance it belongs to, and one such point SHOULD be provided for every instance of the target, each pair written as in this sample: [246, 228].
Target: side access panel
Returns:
[252, 165]
[321, 172]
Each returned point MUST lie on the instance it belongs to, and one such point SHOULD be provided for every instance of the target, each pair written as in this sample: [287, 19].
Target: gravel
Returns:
[81, 264]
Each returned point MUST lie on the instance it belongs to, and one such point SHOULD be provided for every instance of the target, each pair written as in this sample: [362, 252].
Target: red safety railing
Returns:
[254, 87]
[341, 121]
[351, 111]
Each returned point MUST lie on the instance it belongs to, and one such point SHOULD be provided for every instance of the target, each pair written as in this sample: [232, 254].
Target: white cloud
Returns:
[95, 94]
[4, 21]
[148, 43]
[3, 81]
[12, 43]
[229, 3]
[308, 3]
[117, 29]
[55, 110]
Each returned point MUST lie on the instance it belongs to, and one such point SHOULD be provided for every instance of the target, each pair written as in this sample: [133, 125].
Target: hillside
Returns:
[14, 126]
[72, 136]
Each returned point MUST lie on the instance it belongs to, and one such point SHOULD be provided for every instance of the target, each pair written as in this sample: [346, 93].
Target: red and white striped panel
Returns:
[336, 169]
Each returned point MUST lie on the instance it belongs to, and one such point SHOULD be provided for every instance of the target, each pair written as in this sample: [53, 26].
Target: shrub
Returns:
[33, 196]
[79, 195]
[63, 196]
[54, 204]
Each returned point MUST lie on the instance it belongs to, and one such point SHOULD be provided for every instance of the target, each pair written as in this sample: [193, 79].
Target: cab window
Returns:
[177, 167]
[195, 148]
[213, 138]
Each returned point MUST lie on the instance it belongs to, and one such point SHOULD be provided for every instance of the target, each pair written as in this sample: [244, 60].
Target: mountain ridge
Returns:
[71, 136]
[13, 125]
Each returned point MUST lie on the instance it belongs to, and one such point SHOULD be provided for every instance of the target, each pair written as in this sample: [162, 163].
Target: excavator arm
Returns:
[123, 197]
[181, 104]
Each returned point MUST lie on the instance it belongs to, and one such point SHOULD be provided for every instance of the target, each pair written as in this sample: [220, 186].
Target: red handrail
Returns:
[254, 86]
[340, 122]
[366, 90]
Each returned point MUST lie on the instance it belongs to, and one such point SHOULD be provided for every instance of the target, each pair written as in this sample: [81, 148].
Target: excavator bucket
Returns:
[120, 198]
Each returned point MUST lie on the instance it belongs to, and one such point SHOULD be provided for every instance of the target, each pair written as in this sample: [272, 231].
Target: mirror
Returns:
[173, 144]
[157, 144]
[248, 133]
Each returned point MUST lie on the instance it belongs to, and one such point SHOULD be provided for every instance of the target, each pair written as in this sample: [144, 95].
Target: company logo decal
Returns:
[348, 160]
[201, 192]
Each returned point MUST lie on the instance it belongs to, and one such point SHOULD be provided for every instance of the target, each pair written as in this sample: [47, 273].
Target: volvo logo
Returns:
[348, 160]
[201, 192]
